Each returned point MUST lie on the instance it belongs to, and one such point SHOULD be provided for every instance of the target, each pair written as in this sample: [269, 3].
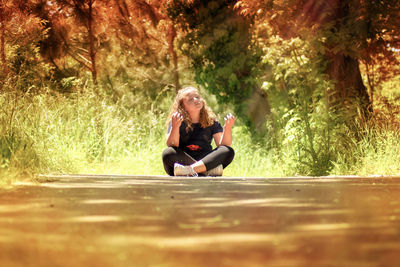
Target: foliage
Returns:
[362, 29]
[25, 69]
[87, 132]
[351, 31]
[218, 41]
[82, 132]
[377, 153]
[303, 124]
[30, 71]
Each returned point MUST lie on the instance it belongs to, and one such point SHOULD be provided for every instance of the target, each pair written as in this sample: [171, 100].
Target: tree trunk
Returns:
[345, 70]
[92, 51]
[258, 108]
[171, 38]
[2, 39]
[350, 91]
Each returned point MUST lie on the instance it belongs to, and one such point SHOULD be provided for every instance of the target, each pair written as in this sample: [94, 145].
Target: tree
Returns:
[20, 34]
[75, 28]
[109, 38]
[55, 46]
[218, 40]
[345, 32]
[89, 16]
[2, 35]
[147, 23]
[8, 10]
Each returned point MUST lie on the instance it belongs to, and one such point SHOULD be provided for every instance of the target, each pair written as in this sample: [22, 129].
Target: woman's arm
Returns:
[225, 138]
[173, 135]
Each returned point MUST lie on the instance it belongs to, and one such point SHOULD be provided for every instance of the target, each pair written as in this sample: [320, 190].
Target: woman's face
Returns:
[192, 101]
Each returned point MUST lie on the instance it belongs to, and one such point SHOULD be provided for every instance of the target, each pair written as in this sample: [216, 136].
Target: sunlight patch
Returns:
[190, 241]
[96, 218]
[323, 227]
[106, 201]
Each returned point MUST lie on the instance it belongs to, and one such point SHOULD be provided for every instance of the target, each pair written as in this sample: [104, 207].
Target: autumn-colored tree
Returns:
[8, 10]
[345, 32]
[3, 16]
[153, 31]
[20, 35]
[89, 16]
[76, 28]
[136, 33]
[55, 46]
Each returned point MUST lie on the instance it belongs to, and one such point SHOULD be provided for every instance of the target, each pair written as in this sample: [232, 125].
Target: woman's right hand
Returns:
[176, 120]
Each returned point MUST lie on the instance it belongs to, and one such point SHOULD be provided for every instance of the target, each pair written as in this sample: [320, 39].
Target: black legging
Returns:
[220, 155]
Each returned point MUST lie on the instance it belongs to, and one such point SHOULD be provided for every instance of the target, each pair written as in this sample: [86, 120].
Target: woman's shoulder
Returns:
[216, 122]
[216, 126]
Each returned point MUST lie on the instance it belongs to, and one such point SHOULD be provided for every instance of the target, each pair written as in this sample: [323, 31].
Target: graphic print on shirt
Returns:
[194, 147]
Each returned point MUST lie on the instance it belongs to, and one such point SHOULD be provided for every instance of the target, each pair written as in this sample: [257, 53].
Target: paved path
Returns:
[163, 221]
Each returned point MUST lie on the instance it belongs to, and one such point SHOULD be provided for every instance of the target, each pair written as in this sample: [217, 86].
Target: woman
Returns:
[192, 127]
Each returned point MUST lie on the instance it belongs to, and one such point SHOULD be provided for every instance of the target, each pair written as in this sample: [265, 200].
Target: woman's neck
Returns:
[195, 117]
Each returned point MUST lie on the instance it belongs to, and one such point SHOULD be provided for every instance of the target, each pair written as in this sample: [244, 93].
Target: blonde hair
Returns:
[207, 116]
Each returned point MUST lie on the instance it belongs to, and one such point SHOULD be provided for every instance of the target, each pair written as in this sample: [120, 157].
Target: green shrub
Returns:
[303, 123]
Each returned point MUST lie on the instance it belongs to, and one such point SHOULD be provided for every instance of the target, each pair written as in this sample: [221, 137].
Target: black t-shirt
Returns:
[197, 142]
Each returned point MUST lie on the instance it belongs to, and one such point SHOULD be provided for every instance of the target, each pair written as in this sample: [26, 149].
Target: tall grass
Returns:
[88, 132]
[82, 132]
[376, 153]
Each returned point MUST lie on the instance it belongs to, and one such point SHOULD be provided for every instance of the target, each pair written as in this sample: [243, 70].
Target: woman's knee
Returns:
[228, 151]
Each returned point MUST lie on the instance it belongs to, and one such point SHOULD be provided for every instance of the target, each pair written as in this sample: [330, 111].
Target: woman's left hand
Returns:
[229, 121]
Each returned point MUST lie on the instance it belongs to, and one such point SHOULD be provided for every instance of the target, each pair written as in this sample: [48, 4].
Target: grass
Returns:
[87, 132]
[74, 134]
[376, 154]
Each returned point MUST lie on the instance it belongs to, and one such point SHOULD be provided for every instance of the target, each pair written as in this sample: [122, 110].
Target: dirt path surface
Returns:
[163, 221]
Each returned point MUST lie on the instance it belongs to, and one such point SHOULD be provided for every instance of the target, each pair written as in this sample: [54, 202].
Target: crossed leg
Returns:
[220, 155]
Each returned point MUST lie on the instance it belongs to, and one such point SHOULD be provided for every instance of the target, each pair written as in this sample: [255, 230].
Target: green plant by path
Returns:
[83, 132]
[88, 132]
